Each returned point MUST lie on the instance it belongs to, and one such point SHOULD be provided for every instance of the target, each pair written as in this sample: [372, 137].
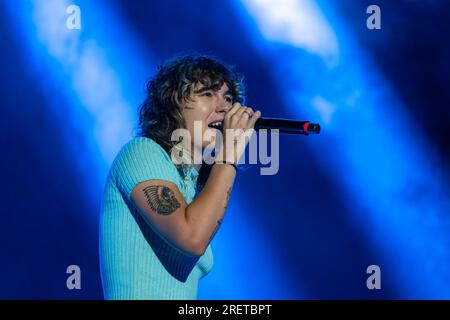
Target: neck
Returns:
[191, 155]
[199, 151]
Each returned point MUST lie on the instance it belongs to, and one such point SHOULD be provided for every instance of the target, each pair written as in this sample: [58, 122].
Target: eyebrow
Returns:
[207, 88]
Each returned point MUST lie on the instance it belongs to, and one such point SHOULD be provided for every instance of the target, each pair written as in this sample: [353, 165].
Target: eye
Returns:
[207, 94]
[229, 99]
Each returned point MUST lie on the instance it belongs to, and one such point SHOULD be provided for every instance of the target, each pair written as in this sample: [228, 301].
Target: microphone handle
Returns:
[287, 126]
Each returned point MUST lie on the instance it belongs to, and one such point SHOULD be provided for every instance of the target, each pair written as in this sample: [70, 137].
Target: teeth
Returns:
[216, 124]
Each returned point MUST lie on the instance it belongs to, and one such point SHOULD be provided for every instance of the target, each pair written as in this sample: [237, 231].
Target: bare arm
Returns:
[206, 213]
[192, 227]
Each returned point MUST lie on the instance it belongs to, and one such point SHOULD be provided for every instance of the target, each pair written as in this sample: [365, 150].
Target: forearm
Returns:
[204, 215]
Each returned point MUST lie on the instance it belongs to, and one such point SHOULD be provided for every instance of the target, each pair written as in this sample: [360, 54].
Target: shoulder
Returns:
[141, 144]
[142, 159]
[141, 149]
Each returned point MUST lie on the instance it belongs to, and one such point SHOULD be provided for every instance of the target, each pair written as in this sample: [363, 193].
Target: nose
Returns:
[222, 105]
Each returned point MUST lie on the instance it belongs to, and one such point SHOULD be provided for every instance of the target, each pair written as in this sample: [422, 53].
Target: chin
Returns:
[212, 141]
[211, 134]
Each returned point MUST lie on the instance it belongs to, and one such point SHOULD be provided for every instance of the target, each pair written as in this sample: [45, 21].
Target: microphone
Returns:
[285, 126]
[288, 126]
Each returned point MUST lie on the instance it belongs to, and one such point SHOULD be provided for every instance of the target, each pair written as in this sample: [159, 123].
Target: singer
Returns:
[158, 218]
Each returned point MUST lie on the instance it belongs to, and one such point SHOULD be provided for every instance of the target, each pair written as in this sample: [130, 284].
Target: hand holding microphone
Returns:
[238, 126]
[244, 121]
[286, 126]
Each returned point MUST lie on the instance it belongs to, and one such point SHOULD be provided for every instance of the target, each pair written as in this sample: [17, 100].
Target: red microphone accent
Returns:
[305, 127]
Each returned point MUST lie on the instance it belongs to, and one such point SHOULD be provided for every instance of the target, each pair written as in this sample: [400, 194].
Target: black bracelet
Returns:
[230, 163]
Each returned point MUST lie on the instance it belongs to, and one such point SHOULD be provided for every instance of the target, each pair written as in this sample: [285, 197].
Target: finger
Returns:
[240, 111]
[252, 120]
[233, 110]
[246, 116]
[249, 112]
[244, 113]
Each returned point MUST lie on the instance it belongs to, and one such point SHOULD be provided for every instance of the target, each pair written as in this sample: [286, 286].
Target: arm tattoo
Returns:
[228, 198]
[215, 230]
[161, 199]
[220, 221]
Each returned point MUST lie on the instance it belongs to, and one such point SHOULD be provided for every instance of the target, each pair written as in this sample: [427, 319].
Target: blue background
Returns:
[372, 188]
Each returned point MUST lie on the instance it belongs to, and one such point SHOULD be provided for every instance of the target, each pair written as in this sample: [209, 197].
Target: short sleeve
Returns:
[142, 159]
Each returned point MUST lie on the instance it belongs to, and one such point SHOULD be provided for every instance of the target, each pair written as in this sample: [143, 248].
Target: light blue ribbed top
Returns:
[136, 261]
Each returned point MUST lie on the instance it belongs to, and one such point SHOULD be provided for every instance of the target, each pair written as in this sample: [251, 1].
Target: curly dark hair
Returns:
[168, 91]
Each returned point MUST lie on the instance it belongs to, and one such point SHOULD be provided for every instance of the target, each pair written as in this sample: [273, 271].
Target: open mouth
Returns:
[216, 125]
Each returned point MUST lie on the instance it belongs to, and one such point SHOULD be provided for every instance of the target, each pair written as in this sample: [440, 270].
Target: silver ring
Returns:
[249, 114]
